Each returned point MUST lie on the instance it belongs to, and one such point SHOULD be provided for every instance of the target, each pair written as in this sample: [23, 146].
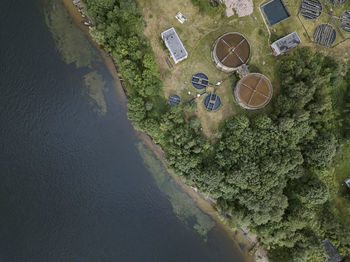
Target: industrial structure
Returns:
[275, 11]
[231, 51]
[253, 91]
[212, 102]
[310, 9]
[345, 21]
[199, 81]
[174, 45]
[347, 182]
[285, 43]
[325, 35]
[174, 100]
[337, 2]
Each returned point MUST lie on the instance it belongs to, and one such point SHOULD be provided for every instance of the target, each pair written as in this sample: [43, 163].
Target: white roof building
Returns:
[174, 44]
[180, 17]
[347, 182]
[285, 43]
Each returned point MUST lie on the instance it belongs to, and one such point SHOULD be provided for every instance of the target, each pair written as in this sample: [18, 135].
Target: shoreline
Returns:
[205, 204]
[111, 66]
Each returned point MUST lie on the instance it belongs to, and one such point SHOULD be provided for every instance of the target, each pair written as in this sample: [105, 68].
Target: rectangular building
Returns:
[285, 43]
[174, 44]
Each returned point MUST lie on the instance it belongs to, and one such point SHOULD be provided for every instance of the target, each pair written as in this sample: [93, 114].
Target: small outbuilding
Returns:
[180, 17]
[285, 43]
[331, 251]
[347, 182]
[174, 45]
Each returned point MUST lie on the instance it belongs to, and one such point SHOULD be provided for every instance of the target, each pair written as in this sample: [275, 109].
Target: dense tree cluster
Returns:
[263, 170]
[346, 109]
[273, 162]
[211, 7]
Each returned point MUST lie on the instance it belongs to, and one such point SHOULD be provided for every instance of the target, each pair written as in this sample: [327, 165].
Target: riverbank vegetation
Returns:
[271, 172]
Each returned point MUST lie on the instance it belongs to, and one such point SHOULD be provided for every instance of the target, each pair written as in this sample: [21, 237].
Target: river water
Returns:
[76, 182]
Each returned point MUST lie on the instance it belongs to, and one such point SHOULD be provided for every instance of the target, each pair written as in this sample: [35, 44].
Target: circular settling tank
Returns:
[230, 51]
[212, 102]
[254, 91]
[199, 81]
[345, 21]
[337, 2]
[310, 9]
[325, 35]
[174, 100]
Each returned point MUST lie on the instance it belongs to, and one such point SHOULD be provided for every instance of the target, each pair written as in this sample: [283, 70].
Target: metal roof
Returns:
[286, 43]
[347, 182]
[174, 44]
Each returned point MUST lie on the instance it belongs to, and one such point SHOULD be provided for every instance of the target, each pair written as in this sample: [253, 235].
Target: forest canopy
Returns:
[270, 172]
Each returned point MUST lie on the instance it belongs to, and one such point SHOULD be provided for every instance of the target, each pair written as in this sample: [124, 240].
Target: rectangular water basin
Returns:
[275, 11]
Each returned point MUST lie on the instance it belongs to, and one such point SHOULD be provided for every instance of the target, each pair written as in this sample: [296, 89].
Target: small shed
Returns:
[180, 17]
[332, 253]
[174, 45]
[347, 182]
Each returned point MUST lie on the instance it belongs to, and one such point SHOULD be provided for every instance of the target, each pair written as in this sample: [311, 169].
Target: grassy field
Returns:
[198, 35]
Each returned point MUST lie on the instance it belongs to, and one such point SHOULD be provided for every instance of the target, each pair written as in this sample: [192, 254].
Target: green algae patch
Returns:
[70, 41]
[183, 205]
[94, 88]
[75, 48]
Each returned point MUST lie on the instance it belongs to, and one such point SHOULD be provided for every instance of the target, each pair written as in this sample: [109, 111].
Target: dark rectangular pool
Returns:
[275, 11]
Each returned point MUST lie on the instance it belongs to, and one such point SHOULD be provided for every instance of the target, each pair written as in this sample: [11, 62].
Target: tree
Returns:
[194, 122]
[190, 106]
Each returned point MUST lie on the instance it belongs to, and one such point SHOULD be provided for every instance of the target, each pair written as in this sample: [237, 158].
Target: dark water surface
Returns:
[73, 185]
[275, 12]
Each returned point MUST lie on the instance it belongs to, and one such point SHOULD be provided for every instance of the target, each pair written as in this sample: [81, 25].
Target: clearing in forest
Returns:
[198, 35]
